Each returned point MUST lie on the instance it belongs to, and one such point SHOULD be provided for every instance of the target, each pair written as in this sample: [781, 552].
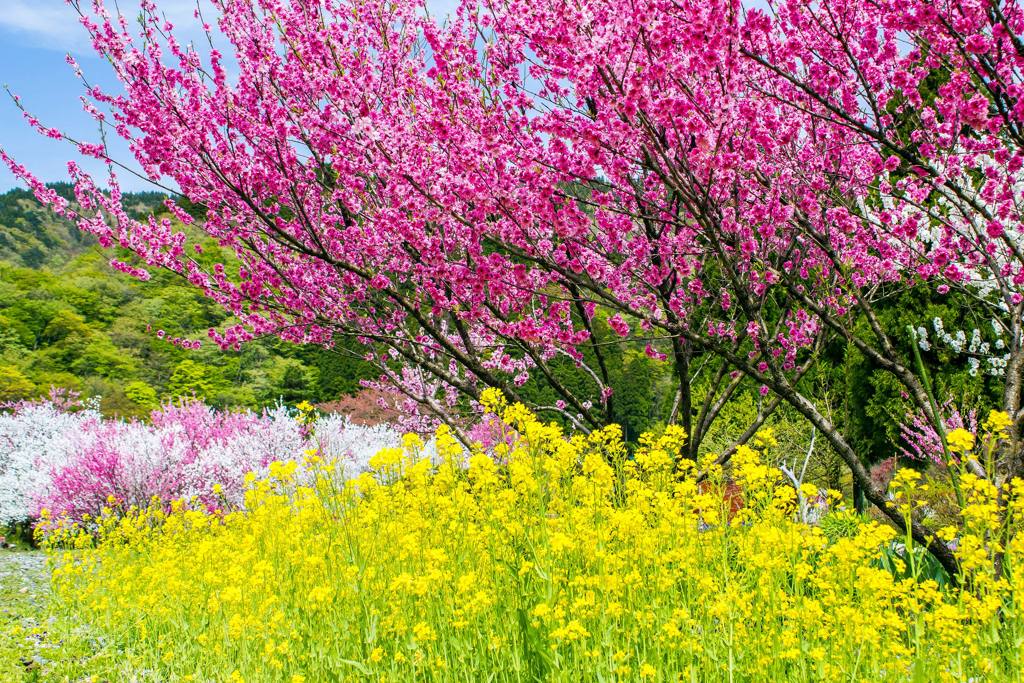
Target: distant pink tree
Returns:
[923, 442]
[727, 184]
[74, 463]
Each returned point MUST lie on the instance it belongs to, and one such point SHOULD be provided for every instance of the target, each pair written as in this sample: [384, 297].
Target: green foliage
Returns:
[635, 399]
[338, 370]
[14, 385]
[642, 387]
[141, 394]
[875, 404]
[68, 319]
[840, 524]
[191, 379]
[287, 379]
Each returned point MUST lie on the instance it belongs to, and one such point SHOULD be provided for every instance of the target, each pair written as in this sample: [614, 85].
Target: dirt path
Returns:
[23, 589]
[23, 571]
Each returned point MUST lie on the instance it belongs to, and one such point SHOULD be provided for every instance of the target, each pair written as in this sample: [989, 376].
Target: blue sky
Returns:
[35, 36]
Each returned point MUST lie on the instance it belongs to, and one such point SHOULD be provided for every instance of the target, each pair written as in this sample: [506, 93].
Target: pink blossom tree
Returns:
[373, 207]
[729, 186]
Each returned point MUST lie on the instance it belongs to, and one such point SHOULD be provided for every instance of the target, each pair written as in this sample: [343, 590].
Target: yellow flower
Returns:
[960, 440]
[283, 471]
[492, 400]
[905, 478]
[412, 442]
[604, 560]
[808, 490]
[541, 610]
[998, 423]
[423, 632]
[387, 458]
[765, 438]
[574, 630]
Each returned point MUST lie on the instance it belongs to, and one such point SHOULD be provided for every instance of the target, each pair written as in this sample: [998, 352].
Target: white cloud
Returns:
[55, 25]
[44, 21]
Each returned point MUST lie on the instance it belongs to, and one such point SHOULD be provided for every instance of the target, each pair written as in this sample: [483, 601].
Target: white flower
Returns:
[179, 456]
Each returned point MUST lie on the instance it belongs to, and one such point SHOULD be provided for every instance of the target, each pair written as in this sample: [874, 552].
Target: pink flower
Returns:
[618, 325]
[978, 44]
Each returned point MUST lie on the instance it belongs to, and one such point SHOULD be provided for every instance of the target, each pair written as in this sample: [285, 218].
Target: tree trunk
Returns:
[862, 478]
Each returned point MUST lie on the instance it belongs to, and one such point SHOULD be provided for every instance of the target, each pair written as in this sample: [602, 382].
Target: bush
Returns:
[14, 386]
[73, 464]
[34, 439]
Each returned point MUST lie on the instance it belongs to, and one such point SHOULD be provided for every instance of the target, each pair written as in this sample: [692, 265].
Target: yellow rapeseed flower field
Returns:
[561, 560]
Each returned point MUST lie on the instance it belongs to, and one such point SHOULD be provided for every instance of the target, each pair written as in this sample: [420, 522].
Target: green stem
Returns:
[940, 428]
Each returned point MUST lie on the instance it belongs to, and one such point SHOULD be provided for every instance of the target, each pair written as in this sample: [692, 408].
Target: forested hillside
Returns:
[68, 319]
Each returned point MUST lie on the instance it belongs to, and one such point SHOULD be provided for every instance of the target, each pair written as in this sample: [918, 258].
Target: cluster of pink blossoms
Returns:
[73, 462]
[469, 191]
